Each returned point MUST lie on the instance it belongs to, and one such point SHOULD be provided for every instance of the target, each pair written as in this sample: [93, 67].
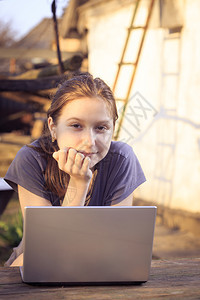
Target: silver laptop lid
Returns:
[88, 244]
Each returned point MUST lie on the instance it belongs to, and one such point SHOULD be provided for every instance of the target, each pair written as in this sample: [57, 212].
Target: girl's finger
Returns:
[62, 158]
[78, 162]
[85, 165]
[56, 155]
[70, 160]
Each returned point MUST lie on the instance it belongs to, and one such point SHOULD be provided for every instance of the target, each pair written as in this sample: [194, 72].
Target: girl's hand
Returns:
[74, 163]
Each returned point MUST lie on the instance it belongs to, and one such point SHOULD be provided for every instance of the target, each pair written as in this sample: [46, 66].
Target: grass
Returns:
[11, 225]
[11, 220]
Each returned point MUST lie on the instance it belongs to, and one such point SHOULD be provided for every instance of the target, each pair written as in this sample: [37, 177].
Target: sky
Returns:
[23, 15]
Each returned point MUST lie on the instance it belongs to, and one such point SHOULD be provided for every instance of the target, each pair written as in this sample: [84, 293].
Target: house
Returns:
[162, 121]
[37, 49]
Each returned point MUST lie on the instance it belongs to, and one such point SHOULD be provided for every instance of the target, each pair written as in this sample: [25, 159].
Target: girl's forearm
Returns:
[76, 193]
[18, 262]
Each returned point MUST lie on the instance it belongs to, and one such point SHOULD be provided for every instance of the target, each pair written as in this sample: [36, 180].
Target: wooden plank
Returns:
[29, 53]
[71, 64]
[172, 279]
[40, 79]
[24, 97]
[9, 276]
[30, 85]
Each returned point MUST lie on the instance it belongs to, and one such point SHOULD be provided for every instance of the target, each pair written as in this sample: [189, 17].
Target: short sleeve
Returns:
[125, 176]
[27, 170]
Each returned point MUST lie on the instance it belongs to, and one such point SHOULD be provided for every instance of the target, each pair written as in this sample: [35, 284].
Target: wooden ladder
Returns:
[133, 64]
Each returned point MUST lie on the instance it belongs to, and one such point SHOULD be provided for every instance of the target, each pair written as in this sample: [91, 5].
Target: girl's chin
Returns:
[92, 165]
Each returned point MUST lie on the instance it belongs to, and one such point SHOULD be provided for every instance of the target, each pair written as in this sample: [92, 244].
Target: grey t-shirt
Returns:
[118, 174]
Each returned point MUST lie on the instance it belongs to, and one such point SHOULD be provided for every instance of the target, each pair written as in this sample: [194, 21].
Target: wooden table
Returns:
[169, 279]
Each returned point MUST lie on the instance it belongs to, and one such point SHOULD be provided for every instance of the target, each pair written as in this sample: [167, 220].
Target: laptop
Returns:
[88, 245]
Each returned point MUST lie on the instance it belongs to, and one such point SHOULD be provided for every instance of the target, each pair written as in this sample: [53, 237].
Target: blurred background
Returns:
[147, 51]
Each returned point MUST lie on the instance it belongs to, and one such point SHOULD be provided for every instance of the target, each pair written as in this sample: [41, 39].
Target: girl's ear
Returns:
[52, 127]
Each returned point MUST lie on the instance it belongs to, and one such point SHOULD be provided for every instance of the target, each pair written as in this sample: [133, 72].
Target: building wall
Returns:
[162, 121]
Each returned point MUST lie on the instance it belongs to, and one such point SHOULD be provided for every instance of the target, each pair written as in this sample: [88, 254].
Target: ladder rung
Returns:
[127, 64]
[120, 99]
[163, 179]
[170, 74]
[136, 27]
[170, 109]
[166, 145]
[168, 38]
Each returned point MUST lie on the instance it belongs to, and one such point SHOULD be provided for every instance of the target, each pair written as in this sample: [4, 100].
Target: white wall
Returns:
[168, 144]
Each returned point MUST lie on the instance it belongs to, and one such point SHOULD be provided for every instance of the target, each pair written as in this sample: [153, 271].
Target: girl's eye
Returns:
[101, 128]
[76, 125]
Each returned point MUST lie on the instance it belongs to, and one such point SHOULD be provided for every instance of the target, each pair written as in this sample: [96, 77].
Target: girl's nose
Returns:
[89, 138]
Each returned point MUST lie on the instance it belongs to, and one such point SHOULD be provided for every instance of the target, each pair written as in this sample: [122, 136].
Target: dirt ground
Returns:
[10, 143]
[170, 243]
[167, 243]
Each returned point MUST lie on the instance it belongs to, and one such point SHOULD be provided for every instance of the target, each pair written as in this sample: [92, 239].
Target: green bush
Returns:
[11, 232]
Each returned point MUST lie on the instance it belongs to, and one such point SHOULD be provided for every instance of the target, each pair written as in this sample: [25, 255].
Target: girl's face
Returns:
[86, 125]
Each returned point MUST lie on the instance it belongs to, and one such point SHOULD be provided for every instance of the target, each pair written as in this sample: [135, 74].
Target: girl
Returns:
[75, 162]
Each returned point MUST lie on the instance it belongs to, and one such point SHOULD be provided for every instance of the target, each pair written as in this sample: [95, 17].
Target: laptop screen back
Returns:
[88, 244]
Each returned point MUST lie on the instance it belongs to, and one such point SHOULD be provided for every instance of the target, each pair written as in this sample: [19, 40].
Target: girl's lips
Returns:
[88, 153]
